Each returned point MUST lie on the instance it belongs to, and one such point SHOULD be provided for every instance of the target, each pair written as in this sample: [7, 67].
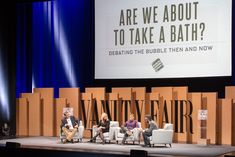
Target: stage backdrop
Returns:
[162, 39]
[54, 45]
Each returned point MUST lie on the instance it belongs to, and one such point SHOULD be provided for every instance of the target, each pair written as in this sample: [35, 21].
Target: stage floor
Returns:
[53, 143]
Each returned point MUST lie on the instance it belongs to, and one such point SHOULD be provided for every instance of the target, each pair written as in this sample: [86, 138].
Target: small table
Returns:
[90, 131]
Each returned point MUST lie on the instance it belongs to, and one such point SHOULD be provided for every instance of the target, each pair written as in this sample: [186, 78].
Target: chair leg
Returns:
[133, 142]
[117, 141]
[170, 144]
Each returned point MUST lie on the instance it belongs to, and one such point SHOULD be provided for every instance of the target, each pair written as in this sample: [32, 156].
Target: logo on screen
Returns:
[157, 65]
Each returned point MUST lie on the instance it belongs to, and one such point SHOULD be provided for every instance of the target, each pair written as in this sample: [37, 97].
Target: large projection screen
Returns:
[162, 39]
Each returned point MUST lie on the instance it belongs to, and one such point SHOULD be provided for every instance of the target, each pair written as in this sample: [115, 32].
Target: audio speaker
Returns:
[138, 153]
[12, 145]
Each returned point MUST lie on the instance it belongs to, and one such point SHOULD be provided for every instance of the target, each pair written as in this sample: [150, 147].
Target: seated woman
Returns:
[69, 125]
[128, 127]
[103, 127]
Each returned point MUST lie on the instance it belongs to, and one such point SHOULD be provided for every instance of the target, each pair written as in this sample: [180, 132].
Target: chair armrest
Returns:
[117, 130]
[94, 129]
[112, 132]
[80, 132]
[136, 134]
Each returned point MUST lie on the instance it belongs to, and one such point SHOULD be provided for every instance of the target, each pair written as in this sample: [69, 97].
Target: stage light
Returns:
[60, 42]
[4, 102]
[33, 83]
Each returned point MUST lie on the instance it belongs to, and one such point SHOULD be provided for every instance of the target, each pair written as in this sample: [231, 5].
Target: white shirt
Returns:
[70, 123]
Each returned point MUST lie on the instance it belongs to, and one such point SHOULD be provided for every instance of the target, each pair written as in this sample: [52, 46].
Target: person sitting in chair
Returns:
[128, 127]
[148, 132]
[69, 125]
[103, 127]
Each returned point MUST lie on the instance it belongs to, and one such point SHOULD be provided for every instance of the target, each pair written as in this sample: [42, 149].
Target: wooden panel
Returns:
[35, 119]
[181, 95]
[73, 98]
[125, 93]
[60, 103]
[156, 107]
[99, 98]
[230, 92]
[210, 100]
[140, 103]
[47, 97]
[167, 94]
[233, 123]
[226, 119]
[17, 117]
[88, 116]
[23, 117]
[114, 106]
[196, 99]
[126, 98]
[97, 92]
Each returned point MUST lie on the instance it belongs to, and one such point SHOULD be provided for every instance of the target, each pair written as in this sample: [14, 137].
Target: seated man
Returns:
[128, 127]
[148, 132]
[69, 125]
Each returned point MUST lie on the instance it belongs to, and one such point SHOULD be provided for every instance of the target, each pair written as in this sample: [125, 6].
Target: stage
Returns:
[53, 143]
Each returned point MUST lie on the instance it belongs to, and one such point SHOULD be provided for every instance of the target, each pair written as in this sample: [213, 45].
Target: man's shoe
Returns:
[64, 141]
[90, 141]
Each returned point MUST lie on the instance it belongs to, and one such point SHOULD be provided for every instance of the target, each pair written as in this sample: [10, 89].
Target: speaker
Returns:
[12, 145]
[138, 153]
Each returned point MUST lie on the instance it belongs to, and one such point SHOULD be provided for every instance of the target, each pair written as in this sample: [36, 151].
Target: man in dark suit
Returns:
[69, 125]
[148, 132]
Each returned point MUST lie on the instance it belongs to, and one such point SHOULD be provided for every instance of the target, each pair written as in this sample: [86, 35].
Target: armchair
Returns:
[133, 138]
[78, 135]
[108, 136]
[162, 136]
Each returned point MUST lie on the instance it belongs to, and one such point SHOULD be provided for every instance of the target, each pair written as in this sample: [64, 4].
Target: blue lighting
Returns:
[62, 47]
[54, 45]
[4, 102]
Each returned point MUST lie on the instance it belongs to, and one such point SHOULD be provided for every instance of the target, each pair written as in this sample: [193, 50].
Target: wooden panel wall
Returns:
[60, 103]
[140, 103]
[114, 106]
[73, 98]
[226, 122]
[88, 113]
[210, 101]
[167, 94]
[32, 113]
[47, 98]
[181, 93]
[127, 105]
[23, 125]
[35, 118]
[230, 92]
[155, 108]
[196, 99]
[99, 98]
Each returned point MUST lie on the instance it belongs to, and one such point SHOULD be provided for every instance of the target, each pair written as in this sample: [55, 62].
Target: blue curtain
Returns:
[54, 45]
